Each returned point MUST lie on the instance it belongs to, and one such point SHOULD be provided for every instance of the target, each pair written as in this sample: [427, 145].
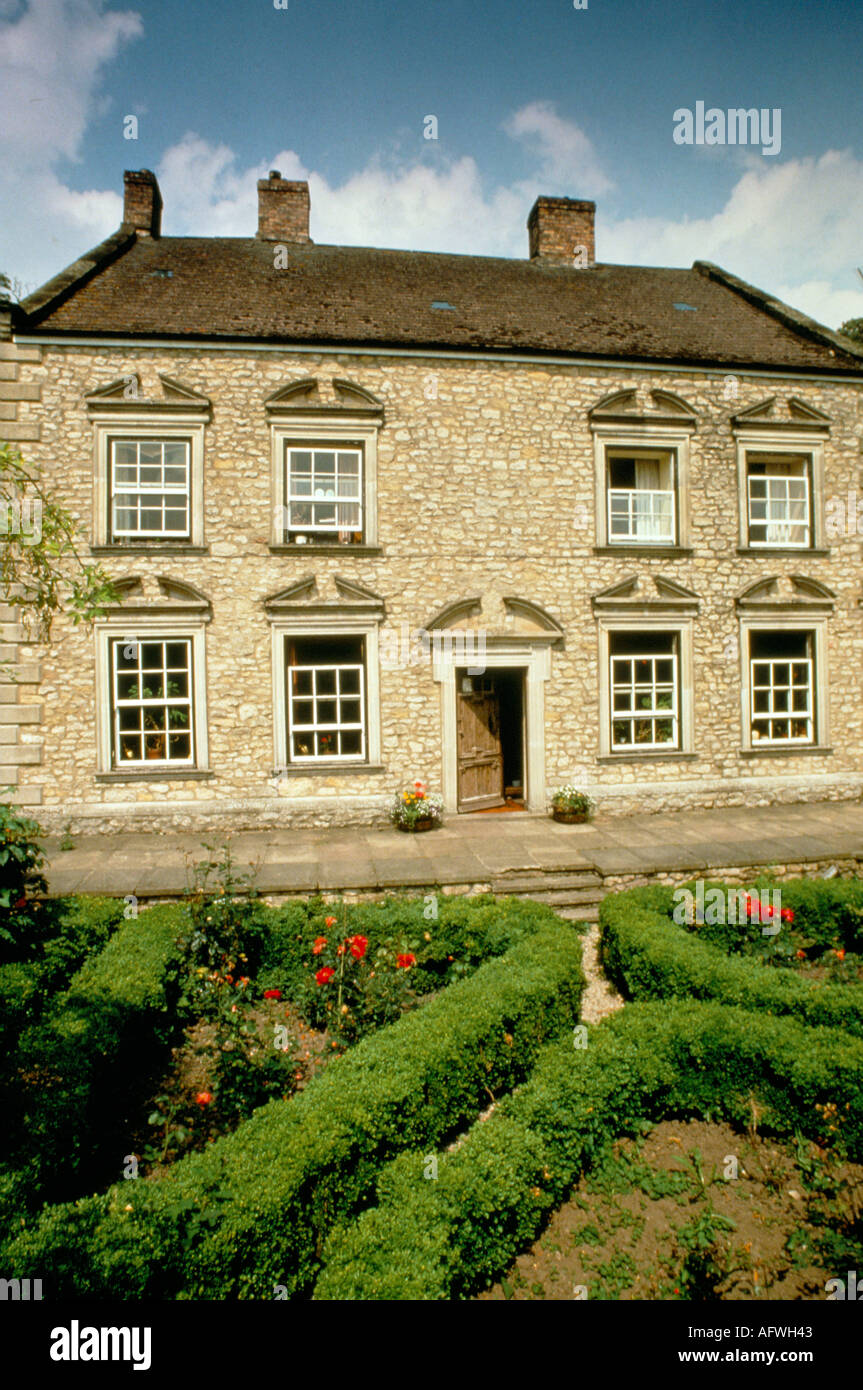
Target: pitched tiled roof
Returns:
[227, 288]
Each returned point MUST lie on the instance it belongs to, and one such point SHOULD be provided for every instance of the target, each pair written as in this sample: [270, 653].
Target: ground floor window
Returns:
[326, 703]
[782, 666]
[152, 701]
[644, 672]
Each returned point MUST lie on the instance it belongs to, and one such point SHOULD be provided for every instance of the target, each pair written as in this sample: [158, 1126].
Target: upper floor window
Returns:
[148, 465]
[150, 488]
[641, 497]
[324, 493]
[779, 493]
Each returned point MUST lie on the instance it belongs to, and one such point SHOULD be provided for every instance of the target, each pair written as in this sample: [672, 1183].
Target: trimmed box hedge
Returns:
[91, 1055]
[448, 1237]
[252, 1211]
[650, 956]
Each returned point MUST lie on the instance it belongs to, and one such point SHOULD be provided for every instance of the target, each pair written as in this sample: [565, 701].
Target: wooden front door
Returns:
[480, 757]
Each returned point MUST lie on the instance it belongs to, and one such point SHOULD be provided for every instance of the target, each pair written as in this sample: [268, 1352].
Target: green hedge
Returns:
[448, 1237]
[649, 956]
[251, 1212]
[76, 1076]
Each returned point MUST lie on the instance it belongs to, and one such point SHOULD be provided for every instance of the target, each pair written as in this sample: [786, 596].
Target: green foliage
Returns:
[447, 1237]
[853, 329]
[283, 1178]
[41, 568]
[570, 799]
[21, 860]
[649, 956]
[75, 1077]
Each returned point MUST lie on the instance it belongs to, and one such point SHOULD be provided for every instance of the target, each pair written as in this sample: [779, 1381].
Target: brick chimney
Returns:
[283, 209]
[561, 232]
[142, 202]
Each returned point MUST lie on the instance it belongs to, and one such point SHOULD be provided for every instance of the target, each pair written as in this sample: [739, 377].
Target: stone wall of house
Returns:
[486, 487]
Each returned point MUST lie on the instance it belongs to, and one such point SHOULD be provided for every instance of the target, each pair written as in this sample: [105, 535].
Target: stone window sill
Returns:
[805, 750]
[282, 549]
[665, 552]
[785, 552]
[326, 769]
[154, 547]
[675, 754]
[188, 774]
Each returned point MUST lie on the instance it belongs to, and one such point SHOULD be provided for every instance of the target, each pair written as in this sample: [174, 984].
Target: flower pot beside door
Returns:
[571, 806]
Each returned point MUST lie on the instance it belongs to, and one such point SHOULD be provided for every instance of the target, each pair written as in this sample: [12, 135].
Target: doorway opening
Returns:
[491, 743]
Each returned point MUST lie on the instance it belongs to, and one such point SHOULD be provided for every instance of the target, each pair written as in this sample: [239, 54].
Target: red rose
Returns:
[22, 902]
[330, 922]
[787, 914]
[801, 955]
[840, 955]
[203, 1098]
[406, 961]
[324, 976]
[358, 946]
[272, 994]
[320, 943]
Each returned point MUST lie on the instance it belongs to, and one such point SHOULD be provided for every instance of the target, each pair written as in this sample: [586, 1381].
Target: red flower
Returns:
[801, 955]
[330, 922]
[22, 902]
[787, 914]
[203, 1098]
[272, 994]
[406, 961]
[320, 943]
[840, 955]
[358, 946]
[324, 976]
[340, 951]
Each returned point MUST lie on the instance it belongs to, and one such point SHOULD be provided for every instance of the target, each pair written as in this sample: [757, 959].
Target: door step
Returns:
[575, 894]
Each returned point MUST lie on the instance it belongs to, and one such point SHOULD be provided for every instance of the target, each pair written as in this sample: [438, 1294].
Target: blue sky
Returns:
[530, 96]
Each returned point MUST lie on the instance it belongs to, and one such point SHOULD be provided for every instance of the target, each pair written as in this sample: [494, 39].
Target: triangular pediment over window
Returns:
[640, 406]
[321, 396]
[134, 393]
[501, 618]
[149, 593]
[306, 597]
[648, 593]
[791, 414]
[783, 592]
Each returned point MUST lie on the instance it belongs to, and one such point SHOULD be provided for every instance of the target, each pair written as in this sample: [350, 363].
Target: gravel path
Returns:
[600, 997]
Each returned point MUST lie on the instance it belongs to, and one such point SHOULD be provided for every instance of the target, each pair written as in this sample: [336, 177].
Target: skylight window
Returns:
[162, 274]
[692, 308]
[442, 304]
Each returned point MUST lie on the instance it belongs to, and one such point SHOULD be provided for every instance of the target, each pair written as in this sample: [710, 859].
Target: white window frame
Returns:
[318, 727]
[314, 625]
[165, 491]
[118, 704]
[655, 712]
[770, 479]
[142, 627]
[749, 444]
[820, 684]
[167, 425]
[292, 498]
[647, 441]
[682, 627]
[664, 457]
[311, 432]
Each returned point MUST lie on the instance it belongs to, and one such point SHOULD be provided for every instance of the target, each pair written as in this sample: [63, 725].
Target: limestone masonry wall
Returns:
[485, 487]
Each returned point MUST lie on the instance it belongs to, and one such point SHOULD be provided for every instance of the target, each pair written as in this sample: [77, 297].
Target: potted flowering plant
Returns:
[570, 805]
[417, 808]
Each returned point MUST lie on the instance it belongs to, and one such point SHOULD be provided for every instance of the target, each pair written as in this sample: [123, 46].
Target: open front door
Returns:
[480, 755]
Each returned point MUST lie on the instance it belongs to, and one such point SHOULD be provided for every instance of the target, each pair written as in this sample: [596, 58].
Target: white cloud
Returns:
[52, 55]
[790, 227]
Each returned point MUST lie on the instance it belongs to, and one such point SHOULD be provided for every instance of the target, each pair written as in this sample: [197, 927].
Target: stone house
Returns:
[378, 515]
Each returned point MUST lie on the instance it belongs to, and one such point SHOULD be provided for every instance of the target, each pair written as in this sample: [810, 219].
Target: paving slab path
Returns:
[467, 851]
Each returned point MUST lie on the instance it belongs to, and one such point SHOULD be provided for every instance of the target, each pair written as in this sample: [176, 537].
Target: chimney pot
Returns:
[142, 202]
[283, 209]
[561, 232]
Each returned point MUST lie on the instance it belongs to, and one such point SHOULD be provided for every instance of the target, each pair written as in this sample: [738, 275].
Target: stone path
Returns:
[600, 998]
[469, 851]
